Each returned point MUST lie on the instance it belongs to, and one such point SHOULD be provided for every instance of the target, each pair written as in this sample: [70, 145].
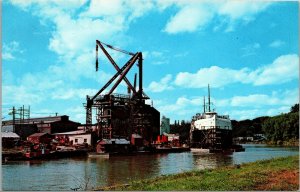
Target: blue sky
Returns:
[247, 51]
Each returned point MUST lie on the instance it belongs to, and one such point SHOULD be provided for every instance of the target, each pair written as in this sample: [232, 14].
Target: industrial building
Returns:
[37, 138]
[9, 139]
[50, 125]
[76, 137]
[165, 125]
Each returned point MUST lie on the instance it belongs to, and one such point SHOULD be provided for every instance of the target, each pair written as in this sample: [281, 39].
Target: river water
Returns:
[64, 174]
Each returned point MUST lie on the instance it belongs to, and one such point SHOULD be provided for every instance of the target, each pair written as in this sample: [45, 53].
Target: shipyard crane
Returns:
[121, 73]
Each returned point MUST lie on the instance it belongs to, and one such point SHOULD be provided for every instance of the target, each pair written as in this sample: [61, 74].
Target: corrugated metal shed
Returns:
[9, 135]
[7, 128]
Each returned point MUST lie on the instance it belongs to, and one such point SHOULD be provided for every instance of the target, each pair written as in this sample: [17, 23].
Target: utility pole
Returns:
[14, 115]
[22, 114]
[23, 111]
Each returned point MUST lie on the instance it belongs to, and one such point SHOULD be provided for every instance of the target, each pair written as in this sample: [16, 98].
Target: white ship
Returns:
[210, 131]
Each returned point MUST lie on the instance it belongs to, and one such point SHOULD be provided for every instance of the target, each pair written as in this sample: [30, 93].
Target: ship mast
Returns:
[208, 99]
[204, 105]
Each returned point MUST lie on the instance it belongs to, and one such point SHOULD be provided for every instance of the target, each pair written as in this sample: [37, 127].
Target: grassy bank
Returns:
[274, 174]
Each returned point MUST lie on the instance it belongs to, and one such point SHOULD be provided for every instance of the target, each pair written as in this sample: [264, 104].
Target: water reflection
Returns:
[209, 161]
[122, 169]
[64, 174]
[175, 163]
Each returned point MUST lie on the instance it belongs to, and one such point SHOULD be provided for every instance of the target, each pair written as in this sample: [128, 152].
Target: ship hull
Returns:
[213, 138]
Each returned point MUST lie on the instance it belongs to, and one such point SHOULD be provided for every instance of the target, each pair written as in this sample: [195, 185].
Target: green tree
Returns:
[282, 127]
[295, 108]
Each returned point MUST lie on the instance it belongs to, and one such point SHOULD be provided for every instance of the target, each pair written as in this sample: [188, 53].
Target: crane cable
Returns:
[117, 49]
[111, 47]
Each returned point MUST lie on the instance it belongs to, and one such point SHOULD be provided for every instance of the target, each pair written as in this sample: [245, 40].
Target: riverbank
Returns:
[289, 143]
[274, 174]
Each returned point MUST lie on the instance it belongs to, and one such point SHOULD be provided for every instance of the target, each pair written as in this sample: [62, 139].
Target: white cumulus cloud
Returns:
[194, 15]
[215, 76]
[73, 93]
[75, 29]
[118, 9]
[162, 85]
[189, 19]
[241, 9]
[283, 69]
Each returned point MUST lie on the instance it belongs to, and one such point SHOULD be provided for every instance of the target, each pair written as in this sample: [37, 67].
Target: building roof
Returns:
[9, 135]
[171, 135]
[48, 119]
[77, 132]
[136, 136]
[38, 134]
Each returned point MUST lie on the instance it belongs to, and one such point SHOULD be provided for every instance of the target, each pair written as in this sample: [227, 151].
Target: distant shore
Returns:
[290, 143]
[274, 174]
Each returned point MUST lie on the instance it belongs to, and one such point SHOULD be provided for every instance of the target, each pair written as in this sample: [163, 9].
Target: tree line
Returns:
[284, 127]
[280, 128]
[277, 129]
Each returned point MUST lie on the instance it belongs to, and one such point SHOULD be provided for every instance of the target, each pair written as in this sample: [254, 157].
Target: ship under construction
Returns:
[211, 132]
[121, 118]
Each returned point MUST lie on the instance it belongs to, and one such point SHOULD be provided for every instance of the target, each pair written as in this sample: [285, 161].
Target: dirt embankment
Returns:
[278, 181]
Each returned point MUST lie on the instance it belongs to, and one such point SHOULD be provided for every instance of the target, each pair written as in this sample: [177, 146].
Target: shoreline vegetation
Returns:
[273, 174]
[290, 143]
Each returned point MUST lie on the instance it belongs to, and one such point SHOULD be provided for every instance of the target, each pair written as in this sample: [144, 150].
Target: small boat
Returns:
[98, 155]
[199, 150]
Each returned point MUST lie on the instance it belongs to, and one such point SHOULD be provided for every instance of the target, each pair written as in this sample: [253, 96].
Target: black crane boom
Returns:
[121, 72]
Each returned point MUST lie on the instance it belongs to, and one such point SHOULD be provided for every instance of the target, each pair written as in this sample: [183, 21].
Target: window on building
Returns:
[85, 140]
[76, 140]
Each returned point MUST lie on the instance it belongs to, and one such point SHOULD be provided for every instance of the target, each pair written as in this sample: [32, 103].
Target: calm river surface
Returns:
[64, 174]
